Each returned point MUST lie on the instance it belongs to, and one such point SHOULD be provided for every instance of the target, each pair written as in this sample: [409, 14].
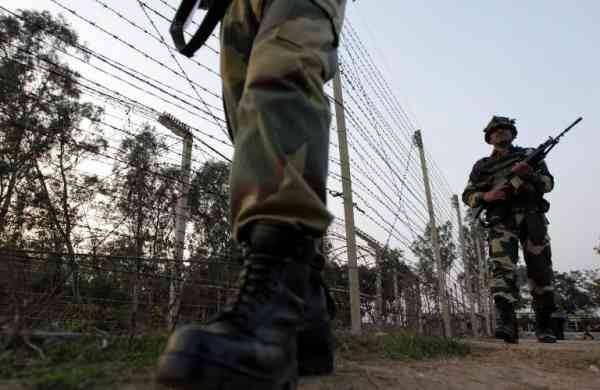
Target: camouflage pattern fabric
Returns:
[531, 231]
[276, 56]
[526, 193]
[335, 10]
[523, 220]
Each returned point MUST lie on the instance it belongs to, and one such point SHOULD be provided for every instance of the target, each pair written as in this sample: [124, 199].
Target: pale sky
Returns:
[458, 63]
[452, 65]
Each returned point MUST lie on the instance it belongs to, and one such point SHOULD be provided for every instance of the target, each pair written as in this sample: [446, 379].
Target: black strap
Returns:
[214, 15]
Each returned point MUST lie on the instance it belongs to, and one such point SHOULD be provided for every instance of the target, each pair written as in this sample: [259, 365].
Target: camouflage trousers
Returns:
[531, 231]
[276, 56]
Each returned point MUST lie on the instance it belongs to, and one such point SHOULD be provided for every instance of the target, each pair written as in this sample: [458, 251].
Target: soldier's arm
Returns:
[542, 179]
[472, 196]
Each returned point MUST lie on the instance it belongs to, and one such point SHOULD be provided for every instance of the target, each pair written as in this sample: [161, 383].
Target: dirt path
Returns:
[529, 365]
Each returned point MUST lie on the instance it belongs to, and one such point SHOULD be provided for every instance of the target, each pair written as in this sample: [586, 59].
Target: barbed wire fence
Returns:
[96, 286]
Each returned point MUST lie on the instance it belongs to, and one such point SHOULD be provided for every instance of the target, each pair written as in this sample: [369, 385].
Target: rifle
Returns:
[184, 15]
[503, 175]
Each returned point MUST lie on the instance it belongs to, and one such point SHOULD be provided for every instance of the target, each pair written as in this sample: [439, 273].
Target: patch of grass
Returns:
[84, 364]
[398, 345]
[73, 378]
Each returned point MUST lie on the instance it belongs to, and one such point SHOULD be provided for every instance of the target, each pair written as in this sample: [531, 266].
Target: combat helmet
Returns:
[499, 122]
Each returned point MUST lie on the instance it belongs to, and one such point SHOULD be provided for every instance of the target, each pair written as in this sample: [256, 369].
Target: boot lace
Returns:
[255, 284]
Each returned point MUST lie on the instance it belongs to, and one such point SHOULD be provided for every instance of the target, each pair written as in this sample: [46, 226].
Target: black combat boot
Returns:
[316, 343]
[252, 344]
[506, 321]
[543, 326]
[543, 305]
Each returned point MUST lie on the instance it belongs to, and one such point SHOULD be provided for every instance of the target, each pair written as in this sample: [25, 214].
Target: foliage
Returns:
[398, 345]
[41, 139]
[209, 212]
[422, 247]
[86, 363]
[578, 291]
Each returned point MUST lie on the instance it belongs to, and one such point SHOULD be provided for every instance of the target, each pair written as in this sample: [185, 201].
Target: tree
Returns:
[573, 288]
[422, 247]
[212, 240]
[140, 202]
[400, 286]
[209, 211]
[472, 262]
[147, 192]
[214, 255]
[597, 248]
[41, 141]
[593, 286]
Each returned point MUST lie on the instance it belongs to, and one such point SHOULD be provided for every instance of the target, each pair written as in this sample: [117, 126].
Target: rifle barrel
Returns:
[569, 128]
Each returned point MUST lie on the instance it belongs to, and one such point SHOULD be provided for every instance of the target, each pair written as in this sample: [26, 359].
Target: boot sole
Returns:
[316, 350]
[183, 372]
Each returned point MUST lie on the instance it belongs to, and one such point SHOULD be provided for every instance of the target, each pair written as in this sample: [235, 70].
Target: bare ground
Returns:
[492, 366]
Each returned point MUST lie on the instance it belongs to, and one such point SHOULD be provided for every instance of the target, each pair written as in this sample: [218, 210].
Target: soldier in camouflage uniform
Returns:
[276, 56]
[518, 210]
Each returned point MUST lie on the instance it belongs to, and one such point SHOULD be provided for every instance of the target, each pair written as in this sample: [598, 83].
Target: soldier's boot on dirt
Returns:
[543, 305]
[506, 322]
[252, 344]
[543, 327]
[316, 343]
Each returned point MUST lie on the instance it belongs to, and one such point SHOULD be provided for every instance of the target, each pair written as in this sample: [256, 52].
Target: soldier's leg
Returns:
[238, 31]
[280, 129]
[279, 122]
[504, 255]
[504, 250]
[537, 253]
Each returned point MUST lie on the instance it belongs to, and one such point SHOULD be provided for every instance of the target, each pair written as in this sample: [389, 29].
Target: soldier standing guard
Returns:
[518, 211]
[276, 56]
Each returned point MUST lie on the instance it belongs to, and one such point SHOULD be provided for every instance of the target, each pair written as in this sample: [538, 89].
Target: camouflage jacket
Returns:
[334, 9]
[527, 193]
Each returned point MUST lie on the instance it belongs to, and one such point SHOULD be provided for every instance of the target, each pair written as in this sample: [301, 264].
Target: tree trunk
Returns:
[135, 300]
[54, 220]
[6, 202]
[139, 248]
[68, 226]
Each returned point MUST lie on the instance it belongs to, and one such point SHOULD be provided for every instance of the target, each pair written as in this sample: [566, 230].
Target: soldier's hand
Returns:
[496, 194]
[522, 169]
